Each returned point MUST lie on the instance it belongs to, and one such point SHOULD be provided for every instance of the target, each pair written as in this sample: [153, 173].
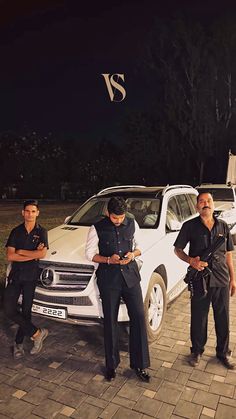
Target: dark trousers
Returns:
[219, 298]
[23, 318]
[138, 344]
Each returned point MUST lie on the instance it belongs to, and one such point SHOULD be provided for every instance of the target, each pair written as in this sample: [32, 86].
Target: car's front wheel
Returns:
[155, 306]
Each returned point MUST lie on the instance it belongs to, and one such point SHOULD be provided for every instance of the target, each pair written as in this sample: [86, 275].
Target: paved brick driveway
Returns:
[66, 380]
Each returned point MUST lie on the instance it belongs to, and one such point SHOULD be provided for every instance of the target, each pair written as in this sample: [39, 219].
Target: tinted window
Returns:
[93, 211]
[192, 199]
[144, 210]
[219, 194]
[174, 209]
[173, 212]
[183, 202]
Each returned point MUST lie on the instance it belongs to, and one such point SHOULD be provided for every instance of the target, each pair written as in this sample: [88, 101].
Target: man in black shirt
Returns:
[27, 243]
[200, 233]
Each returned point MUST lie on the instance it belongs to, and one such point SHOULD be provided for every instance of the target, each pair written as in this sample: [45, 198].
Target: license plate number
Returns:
[59, 313]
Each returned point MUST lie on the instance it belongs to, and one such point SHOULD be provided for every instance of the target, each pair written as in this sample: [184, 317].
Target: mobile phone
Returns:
[123, 257]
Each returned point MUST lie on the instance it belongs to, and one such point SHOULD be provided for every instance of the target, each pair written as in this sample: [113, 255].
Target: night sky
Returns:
[53, 53]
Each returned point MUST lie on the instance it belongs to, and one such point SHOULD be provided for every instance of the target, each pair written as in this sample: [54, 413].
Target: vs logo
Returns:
[113, 86]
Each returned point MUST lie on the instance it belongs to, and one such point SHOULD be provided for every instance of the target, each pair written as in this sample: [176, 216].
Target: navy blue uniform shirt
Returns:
[19, 238]
[200, 238]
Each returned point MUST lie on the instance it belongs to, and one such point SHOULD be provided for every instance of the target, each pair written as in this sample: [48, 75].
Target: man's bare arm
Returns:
[182, 255]
[33, 254]
[12, 256]
[196, 263]
[114, 259]
[232, 282]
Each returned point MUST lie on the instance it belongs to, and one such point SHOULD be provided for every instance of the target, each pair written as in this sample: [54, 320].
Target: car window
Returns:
[145, 211]
[173, 209]
[137, 208]
[219, 194]
[152, 213]
[173, 212]
[93, 211]
[192, 200]
[184, 205]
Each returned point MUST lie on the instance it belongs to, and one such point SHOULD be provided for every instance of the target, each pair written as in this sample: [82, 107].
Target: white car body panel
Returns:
[67, 246]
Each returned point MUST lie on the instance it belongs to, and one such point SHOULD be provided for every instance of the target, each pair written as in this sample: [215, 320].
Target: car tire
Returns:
[155, 305]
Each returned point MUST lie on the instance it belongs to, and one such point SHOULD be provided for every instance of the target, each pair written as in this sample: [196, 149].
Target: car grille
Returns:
[65, 276]
[73, 301]
[69, 228]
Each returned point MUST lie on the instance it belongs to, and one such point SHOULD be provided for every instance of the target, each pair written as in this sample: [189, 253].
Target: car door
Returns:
[173, 218]
[180, 208]
[187, 205]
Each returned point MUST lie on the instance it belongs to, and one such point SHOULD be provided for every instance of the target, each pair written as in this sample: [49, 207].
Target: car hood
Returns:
[67, 243]
[223, 206]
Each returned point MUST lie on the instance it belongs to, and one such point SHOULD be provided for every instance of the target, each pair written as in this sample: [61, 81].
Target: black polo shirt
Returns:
[19, 238]
[200, 238]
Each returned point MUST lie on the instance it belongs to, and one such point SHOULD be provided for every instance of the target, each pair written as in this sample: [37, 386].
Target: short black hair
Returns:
[203, 192]
[30, 202]
[117, 205]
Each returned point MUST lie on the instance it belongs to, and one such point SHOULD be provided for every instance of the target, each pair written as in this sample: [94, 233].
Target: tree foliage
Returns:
[183, 136]
[195, 65]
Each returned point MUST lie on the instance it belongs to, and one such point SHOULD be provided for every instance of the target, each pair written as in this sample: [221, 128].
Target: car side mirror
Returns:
[67, 219]
[174, 225]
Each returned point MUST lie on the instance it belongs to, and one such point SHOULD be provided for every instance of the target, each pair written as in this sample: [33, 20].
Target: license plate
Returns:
[60, 313]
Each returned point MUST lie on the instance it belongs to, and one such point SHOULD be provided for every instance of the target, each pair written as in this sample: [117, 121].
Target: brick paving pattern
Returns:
[66, 379]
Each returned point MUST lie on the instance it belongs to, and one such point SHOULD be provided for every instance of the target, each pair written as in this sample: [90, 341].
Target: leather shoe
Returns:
[142, 375]
[227, 362]
[194, 359]
[110, 374]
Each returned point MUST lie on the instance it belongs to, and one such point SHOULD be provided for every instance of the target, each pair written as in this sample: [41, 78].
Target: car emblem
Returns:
[47, 277]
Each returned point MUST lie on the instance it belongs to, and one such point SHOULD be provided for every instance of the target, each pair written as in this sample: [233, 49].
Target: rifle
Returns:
[193, 275]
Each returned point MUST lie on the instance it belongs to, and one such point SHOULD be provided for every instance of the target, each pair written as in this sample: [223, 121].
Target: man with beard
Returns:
[200, 233]
[113, 244]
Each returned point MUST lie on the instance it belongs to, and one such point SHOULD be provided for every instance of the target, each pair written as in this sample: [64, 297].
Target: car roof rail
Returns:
[214, 185]
[210, 185]
[119, 187]
[169, 187]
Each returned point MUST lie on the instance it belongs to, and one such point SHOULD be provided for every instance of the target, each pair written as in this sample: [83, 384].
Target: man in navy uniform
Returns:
[200, 233]
[112, 243]
[27, 243]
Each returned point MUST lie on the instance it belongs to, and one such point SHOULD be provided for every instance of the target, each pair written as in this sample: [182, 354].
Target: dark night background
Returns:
[60, 134]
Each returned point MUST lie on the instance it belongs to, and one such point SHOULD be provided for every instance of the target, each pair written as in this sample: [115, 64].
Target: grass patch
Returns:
[51, 215]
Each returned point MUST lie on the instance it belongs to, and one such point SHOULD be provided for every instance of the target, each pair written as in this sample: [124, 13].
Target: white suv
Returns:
[224, 197]
[67, 287]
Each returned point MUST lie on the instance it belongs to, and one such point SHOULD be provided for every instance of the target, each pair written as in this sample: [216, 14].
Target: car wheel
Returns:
[155, 306]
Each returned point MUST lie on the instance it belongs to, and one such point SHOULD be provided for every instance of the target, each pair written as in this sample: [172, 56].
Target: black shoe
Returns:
[226, 362]
[110, 374]
[194, 359]
[142, 375]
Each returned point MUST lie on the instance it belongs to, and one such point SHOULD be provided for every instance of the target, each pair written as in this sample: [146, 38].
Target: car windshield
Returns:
[219, 194]
[144, 210]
